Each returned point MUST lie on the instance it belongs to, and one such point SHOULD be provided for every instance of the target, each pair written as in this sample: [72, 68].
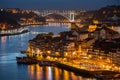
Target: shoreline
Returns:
[10, 34]
[34, 24]
[81, 72]
[15, 31]
[101, 74]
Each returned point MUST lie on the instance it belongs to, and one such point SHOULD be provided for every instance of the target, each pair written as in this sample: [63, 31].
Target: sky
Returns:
[56, 4]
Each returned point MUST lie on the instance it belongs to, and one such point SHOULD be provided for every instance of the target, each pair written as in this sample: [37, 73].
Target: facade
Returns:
[105, 33]
[115, 57]
[69, 47]
[50, 46]
[75, 35]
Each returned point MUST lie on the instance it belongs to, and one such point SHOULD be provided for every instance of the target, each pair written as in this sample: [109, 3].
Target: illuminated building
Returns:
[92, 28]
[12, 10]
[105, 33]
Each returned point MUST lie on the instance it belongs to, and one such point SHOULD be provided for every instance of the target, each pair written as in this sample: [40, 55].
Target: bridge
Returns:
[68, 14]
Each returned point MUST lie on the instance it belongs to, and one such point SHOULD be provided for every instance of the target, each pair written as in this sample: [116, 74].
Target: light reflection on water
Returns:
[37, 72]
[15, 43]
[10, 47]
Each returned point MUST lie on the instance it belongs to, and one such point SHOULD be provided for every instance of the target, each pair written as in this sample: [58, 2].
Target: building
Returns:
[115, 57]
[105, 33]
[12, 10]
[75, 35]
[109, 15]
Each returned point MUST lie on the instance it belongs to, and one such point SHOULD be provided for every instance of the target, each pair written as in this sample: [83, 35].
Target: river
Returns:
[10, 47]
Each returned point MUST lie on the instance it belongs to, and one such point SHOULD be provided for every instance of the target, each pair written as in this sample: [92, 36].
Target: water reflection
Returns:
[10, 47]
[58, 24]
[3, 43]
[37, 72]
[3, 39]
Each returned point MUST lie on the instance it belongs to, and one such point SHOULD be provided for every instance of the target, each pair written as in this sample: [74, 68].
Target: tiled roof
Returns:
[107, 29]
[82, 32]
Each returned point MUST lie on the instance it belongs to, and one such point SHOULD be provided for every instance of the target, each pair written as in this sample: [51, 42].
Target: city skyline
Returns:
[57, 4]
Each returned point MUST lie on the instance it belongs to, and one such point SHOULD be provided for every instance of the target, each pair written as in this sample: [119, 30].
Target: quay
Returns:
[100, 74]
[23, 51]
[29, 60]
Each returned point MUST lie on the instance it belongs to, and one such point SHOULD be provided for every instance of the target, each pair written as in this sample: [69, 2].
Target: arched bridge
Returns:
[70, 15]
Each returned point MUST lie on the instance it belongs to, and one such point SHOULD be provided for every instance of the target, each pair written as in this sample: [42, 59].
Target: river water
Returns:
[10, 47]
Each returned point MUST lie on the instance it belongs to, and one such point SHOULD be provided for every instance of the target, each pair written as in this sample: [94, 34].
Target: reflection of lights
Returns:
[31, 70]
[57, 74]
[38, 70]
[73, 76]
[3, 39]
[50, 75]
[35, 72]
[66, 75]
[3, 44]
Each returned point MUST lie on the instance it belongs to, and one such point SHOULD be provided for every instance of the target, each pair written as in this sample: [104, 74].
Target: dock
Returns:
[95, 74]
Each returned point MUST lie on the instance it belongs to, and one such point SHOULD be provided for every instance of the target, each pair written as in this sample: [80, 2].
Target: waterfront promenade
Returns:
[14, 31]
[68, 65]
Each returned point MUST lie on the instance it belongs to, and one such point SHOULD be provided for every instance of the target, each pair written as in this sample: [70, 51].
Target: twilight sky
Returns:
[56, 4]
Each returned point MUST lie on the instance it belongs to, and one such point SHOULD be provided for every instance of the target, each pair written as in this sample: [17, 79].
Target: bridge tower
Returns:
[72, 17]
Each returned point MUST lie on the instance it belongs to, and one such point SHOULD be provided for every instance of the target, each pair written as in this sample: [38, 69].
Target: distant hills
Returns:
[6, 17]
[13, 17]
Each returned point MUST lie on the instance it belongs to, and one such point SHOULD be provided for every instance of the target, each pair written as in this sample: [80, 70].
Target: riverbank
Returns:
[29, 24]
[101, 74]
[15, 31]
[28, 60]
[11, 46]
[76, 70]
